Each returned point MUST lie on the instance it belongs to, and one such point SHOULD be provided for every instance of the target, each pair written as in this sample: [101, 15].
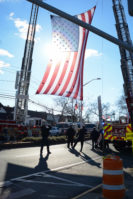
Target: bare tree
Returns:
[122, 106]
[66, 107]
[92, 111]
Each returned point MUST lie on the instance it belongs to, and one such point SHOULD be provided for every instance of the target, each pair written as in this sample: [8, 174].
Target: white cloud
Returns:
[3, 65]
[5, 53]
[92, 53]
[11, 15]
[22, 26]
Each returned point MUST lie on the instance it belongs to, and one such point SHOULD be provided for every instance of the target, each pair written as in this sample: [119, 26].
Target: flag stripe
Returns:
[52, 78]
[46, 74]
[61, 77]
[70, 75]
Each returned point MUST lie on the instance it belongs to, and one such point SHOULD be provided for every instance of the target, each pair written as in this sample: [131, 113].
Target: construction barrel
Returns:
[113, 178]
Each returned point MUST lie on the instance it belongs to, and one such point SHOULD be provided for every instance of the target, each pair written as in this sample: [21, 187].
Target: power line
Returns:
[31, 101]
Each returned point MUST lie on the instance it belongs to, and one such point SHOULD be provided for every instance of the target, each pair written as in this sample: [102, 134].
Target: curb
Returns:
[13, 145]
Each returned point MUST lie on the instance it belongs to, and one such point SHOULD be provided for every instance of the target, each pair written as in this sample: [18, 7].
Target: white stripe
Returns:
[113, 187]
[113, 172]
[54, 183]
[87, 17]
[92, 12]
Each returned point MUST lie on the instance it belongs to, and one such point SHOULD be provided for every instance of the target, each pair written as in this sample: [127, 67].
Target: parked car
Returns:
[54, 131]
[89, 127]
[63, 126]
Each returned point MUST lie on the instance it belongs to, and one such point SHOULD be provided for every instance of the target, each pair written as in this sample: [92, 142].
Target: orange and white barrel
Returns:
[113, 178]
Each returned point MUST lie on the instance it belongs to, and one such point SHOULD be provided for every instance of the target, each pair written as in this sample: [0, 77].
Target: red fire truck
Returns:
[10, 130]
[120, 134]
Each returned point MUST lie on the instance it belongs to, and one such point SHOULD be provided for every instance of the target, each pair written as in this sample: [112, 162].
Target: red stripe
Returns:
[62, 75]
[77, 90]
[70, 75]
[53, 78]
[129, 127]
[105, 136]
[46, 74]
[110, 138]
[107, 128]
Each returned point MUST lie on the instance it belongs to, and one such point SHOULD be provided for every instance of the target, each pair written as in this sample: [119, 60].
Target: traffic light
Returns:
[130, 7]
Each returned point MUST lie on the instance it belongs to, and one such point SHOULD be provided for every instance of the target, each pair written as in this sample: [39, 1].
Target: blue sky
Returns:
[102, 57]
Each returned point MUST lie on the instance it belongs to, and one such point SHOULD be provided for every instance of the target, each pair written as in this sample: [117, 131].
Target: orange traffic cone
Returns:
[113, 179]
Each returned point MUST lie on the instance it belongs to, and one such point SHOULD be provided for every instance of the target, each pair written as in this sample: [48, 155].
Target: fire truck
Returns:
[120, 134]
[11, 130]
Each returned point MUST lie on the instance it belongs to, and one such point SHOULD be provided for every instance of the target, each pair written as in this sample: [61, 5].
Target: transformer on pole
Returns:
[126, 56]
[23, 76]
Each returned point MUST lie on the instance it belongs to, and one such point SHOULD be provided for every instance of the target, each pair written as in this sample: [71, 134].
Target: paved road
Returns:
[63, 174]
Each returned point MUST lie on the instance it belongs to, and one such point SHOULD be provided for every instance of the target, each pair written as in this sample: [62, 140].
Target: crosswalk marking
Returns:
[7, 183]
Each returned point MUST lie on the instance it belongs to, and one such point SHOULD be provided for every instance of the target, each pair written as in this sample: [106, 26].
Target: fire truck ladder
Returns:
[126, 56]
[23, 76]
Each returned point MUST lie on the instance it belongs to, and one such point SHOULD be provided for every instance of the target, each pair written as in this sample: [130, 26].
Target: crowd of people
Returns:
[74, 137]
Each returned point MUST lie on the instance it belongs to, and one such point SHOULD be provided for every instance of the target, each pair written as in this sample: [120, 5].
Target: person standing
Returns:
[70, 136]
[45, 140]
[80, 137]
[94, 137]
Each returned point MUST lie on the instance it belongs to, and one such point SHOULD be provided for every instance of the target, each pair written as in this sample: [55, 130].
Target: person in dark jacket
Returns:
[80, 137]
[70, 136]
[94, 137]
[45, 140]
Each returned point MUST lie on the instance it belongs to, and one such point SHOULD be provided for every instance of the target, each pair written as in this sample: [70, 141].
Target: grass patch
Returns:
[52, 139]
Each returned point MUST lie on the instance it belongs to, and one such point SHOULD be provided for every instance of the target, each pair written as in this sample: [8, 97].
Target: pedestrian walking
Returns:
[70, 136]
[45, 140]
[94, 137]
[80, 137]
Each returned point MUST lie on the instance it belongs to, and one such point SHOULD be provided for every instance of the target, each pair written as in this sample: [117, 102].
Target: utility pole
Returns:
[23, 76]
[100, 112]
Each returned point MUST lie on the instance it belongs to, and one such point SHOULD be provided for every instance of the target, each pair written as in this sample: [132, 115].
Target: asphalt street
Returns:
[65, 173]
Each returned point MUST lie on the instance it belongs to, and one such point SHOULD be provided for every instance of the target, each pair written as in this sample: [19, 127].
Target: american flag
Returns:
[64, 72]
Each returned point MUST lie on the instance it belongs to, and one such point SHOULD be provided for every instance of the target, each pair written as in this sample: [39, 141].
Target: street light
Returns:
[91, 81]
[98, 78]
